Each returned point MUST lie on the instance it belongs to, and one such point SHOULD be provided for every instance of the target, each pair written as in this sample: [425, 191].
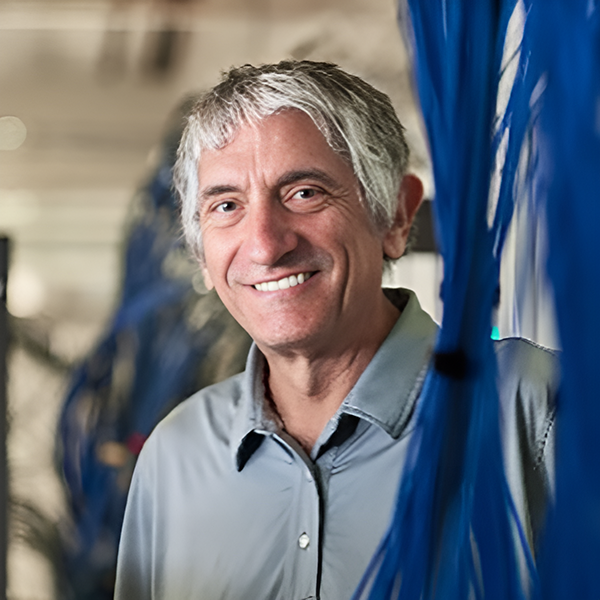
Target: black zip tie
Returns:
[451, 364]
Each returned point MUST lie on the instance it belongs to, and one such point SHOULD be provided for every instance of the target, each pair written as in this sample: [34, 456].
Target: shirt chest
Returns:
[283, 527]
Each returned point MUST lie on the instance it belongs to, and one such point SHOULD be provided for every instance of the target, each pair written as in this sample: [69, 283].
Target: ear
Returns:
[409, 200]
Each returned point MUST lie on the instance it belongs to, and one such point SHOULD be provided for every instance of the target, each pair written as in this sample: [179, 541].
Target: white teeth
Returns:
[282, 284]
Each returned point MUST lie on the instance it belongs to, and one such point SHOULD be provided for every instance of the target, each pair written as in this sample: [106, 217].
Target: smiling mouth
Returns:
[284, 283]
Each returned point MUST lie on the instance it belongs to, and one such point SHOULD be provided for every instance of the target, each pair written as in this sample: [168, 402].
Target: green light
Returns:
[495, 333]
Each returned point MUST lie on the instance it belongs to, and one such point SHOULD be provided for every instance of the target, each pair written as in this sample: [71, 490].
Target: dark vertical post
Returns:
[4, 248]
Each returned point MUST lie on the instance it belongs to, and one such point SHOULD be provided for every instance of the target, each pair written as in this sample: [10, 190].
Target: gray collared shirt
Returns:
[226, 506]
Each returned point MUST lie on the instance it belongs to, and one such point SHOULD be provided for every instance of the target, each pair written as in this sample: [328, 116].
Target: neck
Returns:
[307, 389]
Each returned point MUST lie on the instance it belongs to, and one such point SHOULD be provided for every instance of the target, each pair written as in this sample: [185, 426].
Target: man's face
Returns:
[288, 244]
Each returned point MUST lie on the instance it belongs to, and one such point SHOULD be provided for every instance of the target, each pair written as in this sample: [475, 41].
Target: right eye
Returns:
[226, 207]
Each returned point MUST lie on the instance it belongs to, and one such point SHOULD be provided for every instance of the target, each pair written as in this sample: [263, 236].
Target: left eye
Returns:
[306, 194]
[306, 199]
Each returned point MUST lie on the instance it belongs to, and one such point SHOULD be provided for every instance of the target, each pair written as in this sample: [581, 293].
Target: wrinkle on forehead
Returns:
[253, 124]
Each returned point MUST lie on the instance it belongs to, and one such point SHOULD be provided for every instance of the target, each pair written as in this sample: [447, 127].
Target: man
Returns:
[279, 482]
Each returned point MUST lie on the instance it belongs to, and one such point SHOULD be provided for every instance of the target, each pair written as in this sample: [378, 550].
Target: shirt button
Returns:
[303, 541]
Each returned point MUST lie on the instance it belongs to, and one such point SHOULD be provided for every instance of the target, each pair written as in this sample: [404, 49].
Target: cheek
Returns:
[368, 259]
[208, 281]
[213, 267]
[218, 247]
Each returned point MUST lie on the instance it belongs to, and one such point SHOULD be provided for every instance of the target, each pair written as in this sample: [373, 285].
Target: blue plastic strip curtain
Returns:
[566, 35]
[455, 532]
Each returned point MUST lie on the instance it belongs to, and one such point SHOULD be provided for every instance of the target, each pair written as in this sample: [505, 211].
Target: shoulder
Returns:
[530, 363]
[203, 419]
[527, 373]
[528, 380]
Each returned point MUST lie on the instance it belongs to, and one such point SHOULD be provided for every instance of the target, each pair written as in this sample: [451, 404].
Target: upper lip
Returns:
[280, 277]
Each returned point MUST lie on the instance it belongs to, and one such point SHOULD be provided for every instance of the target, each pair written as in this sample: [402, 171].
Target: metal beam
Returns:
[4, 249]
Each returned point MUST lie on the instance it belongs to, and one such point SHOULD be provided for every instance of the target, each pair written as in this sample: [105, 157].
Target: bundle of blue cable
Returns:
[455, 533]
[549, 129]
[94, 413]
[566, 35]
[150, 359]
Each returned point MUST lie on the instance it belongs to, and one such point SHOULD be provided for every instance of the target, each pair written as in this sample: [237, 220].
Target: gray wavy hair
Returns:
[358, 122]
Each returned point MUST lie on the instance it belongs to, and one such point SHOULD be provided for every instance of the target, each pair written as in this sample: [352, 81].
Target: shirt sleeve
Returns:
[528, 382]
[135, 562]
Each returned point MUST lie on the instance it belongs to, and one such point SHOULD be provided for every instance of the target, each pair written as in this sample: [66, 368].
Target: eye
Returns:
[305, 194]
[226, 207]
[306, 199]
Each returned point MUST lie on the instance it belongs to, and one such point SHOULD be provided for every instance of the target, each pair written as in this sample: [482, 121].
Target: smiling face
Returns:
[288, 244]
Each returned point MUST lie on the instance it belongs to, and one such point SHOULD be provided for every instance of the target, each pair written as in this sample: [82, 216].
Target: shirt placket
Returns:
[302, 564]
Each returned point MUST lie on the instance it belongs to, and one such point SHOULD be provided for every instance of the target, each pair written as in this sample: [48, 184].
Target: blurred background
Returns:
[89, 97]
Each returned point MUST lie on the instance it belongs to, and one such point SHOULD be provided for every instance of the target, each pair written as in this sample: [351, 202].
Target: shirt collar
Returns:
[252, 420]
[384, 394]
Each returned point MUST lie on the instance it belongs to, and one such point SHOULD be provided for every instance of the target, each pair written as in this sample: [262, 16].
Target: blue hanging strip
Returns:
[567, 38]
[453, 491]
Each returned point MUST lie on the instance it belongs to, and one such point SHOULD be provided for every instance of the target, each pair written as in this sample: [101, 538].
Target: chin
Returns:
[282, 345]
[287, 343]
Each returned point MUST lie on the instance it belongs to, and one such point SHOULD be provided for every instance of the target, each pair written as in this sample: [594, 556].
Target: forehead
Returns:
[285, 141]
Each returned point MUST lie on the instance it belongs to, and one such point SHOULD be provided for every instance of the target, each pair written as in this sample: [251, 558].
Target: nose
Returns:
[269, 233]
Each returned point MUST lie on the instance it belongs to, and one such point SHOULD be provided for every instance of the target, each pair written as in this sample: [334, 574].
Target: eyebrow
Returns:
[217, 190]
[288, 178]
[302, 174]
